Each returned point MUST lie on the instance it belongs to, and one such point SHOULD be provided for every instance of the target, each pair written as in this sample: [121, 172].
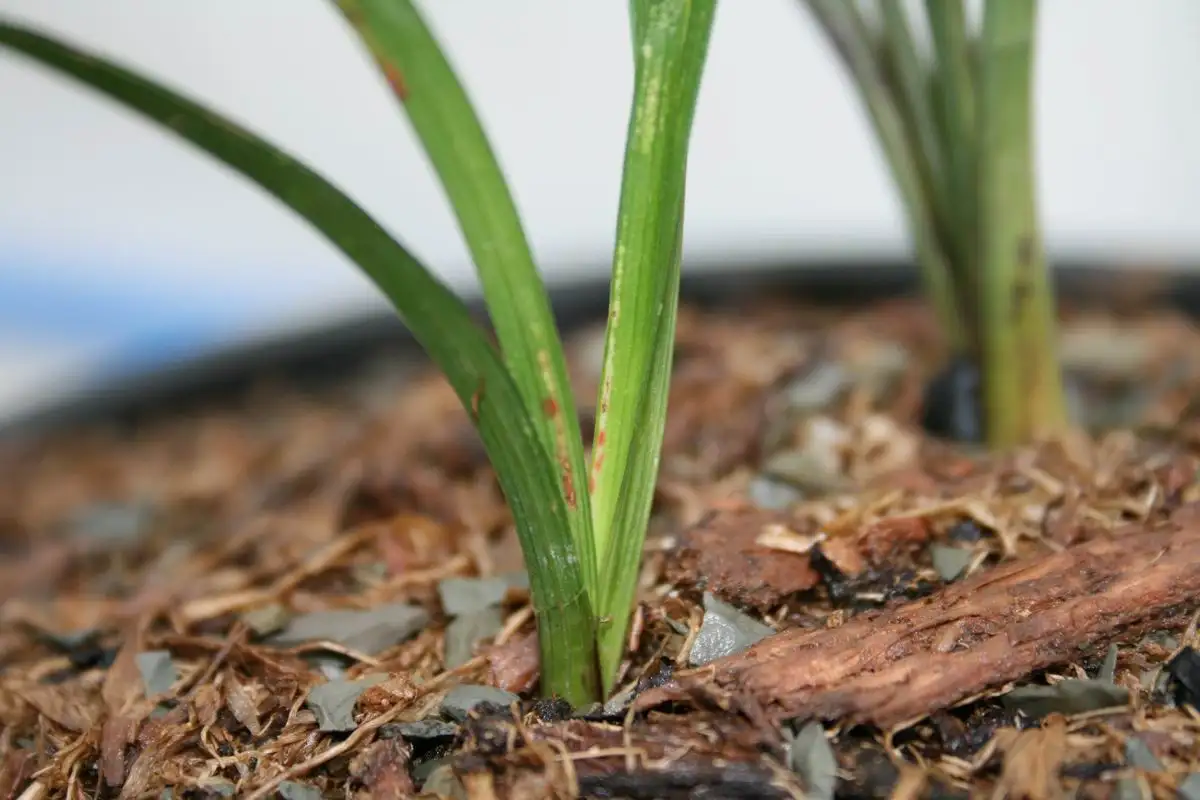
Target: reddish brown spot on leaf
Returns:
[601, 438]
[476, 400]
[550, 407]
[568, 486]
[396, 80]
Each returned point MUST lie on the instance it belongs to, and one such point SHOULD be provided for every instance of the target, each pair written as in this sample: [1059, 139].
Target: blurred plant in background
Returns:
[956, 126]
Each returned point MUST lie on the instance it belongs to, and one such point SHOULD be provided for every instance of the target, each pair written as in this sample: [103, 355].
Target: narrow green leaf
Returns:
[956, 83]
[911, 92]
[1022, 378]
[670, 48]
[621, 569]
[452, 136]
[844, 27]
[437, 318]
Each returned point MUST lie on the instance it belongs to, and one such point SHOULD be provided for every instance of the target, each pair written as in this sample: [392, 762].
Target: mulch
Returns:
[145, 569]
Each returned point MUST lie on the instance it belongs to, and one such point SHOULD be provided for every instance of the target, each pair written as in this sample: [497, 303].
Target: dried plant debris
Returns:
[315, 590]
[443, 783]
[724, 631]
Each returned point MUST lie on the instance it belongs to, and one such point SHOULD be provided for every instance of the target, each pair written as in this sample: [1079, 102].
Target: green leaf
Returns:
[956, 83]
[847, 32]
[437, 318]
[910, 74]
[452, 136]
[670, 47]
[1022, 378]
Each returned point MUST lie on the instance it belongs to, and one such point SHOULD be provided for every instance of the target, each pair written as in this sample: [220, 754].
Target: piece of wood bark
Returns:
[896, 665]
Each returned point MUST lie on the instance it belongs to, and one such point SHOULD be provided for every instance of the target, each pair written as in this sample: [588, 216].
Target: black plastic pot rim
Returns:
[323, 354]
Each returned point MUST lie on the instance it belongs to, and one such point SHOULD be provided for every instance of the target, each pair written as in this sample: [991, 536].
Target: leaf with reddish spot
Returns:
[512, 428]
[453, 138]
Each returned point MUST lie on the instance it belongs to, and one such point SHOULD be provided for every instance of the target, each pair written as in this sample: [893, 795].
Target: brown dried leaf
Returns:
[399, 689]
[14, 770]
[885, 538]
[207, 702]
[123, 682]
[117, 734]
[242, 703]
[383, 768]
[1032, 759]
[69, 704]
[845, 555]
[514, 664]
[722, 553]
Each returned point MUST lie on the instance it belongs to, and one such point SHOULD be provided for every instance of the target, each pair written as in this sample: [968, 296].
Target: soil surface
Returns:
[318, 593]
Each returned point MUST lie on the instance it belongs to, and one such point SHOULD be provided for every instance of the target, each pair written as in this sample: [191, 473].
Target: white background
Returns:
[782, 160]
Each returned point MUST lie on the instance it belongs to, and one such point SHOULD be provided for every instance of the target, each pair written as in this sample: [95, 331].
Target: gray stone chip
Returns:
[1189, 787]
[465, 631]
[724, 631]
[1071, 696]
[333, 702]
[421, 729]
[369, 631]
[811, 757]
[112, 524]
[290, 790]
[950, 562]
[1139, 755]
[463, 699]
[157, 670]
[466, 595]
[267, 619]
[1108, 670]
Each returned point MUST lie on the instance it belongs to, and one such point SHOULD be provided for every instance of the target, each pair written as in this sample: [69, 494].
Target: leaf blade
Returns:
[437, 318]
[956, 82]
[670, 48]
[450, 132]
[847, 32]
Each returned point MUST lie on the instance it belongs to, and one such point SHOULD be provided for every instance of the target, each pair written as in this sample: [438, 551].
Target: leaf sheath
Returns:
[670, 47]
[1022, 379]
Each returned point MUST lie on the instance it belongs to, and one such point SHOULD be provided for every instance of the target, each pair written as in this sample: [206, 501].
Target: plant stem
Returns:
[1022, 379]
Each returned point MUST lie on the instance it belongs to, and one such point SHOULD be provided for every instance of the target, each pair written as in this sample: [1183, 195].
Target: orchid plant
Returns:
[955, 122]
[581, 525]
